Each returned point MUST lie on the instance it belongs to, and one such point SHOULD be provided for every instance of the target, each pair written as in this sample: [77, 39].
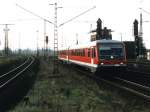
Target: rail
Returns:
[140, 66]
[130, 86]
[14, 73]
[138, 89]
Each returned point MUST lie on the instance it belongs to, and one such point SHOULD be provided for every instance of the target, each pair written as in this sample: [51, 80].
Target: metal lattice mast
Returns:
[45, 20]
[140, 35]
[141, 26]
[6, 29]
[44, 37]
[6, 39]
[55, 69]
[37, 39]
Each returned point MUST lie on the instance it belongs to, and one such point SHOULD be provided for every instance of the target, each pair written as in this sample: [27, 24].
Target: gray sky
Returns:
[117, 15]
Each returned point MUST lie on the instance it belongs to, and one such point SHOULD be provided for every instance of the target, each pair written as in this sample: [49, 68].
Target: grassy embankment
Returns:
[69, 92]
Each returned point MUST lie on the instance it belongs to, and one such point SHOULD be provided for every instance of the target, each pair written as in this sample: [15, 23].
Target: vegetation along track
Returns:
[15, 83]
[130, 86]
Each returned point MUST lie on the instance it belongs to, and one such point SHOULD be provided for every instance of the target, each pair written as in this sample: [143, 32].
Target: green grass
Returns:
[74, 93]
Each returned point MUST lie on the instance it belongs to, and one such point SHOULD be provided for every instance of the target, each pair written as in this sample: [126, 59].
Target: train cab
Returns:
[111, 55]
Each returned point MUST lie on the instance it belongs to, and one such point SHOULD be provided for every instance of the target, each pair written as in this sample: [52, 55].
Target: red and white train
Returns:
[96, 55]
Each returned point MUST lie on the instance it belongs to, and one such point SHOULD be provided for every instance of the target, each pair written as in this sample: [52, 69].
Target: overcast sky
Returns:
[117, 15]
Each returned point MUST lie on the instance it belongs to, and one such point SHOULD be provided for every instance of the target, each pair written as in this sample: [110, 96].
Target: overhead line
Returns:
[77, 16]
[145, 11]
[34, 14]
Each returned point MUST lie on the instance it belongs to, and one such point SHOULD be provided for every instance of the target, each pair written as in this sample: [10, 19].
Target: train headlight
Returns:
[121, 63]
[102, 63]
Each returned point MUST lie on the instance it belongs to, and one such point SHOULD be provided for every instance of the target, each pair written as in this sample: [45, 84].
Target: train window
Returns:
[79, 52]
[76, 52]
[69, 53]
[83, 52]
[73, 52]
[111, 51]
[64, 53]
[93, 53]
[88, 52]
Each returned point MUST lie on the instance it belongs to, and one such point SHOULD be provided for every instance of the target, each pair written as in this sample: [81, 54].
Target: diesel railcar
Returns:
[97, 55]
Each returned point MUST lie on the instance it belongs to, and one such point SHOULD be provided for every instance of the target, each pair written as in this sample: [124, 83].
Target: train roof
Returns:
[94, 43]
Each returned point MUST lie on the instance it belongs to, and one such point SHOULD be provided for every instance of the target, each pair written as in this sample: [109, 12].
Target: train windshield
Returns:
[111, 51]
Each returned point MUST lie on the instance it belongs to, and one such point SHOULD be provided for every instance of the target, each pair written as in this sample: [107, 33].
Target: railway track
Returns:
[142, 66]
[136, 88]
[130, 86]
[7, 78]
[137, 77]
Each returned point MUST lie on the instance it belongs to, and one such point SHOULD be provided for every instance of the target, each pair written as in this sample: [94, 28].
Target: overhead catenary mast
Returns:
[55, 69]
[45, 20]
[6, 46]
[141, 36]
[141, 26]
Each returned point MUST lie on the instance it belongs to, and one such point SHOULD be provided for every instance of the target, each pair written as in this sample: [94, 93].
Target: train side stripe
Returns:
[81, 63]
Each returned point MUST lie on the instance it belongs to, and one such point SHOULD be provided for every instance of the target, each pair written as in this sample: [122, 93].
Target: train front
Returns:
[112, 56]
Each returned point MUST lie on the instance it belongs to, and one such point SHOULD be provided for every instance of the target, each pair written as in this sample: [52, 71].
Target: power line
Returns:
[45, 20]
[77, 16]
[34, 14]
